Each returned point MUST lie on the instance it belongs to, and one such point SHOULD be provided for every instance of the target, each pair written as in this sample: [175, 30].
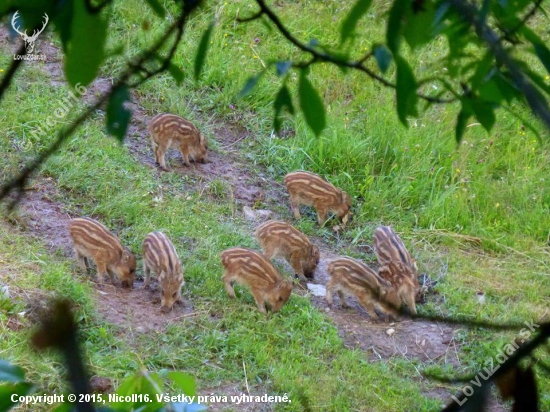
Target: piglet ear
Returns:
[126, 255]
[285, 284]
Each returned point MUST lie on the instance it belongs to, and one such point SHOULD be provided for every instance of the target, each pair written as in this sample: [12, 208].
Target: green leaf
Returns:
[440, 14]
[7, 390]
[490, 92]
[176, 73]
[64, 407]
[541, 50]
[311, 104]
[118, 116]
[173, 69]
[62, 20]
[509, 92]
[461, 122]
[85, 51]
[157, 8]
[458, 36]
[484, 113]
[139, 384]
[283, 100]
[393, 31]
[483, 68]
[250, 84]
[418, 28]
[349, 24]
[11, 373]
[544, 55]
[184, 381]
[383, 57]
[405, 91]
[283, 67]
[203, 48]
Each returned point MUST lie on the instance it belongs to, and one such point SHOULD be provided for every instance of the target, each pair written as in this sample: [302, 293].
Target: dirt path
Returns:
[47, 219]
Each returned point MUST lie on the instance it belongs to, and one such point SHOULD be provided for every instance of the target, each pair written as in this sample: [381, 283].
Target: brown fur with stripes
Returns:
[351, 277]
[250, 268]
[93, 241]
[390, 248]
[309, 189]
[401, 278]
[168, 130]
[284, 240]
[160, 256]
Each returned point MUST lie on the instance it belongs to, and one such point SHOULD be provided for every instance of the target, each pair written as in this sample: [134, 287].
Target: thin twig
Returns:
[246, 379]
[18, 183]
[327, 57]
[470, 14]
[508, 33]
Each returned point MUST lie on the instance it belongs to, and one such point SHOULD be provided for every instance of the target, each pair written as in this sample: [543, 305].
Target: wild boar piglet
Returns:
[160, 256]
[168, 130]
[94, 241]
[309, 189]
[250, 268]
[351, 277]
[390, 248]
[284, 240]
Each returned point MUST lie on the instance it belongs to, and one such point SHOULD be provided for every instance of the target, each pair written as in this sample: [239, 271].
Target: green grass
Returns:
[415, 179]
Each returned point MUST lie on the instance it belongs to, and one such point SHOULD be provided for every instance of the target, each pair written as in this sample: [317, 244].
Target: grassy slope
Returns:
[364, 150]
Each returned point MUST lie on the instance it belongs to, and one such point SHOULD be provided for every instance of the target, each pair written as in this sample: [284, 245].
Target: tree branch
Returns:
[471, 14]
[508, 33]
[327, 57]
[519, 354]
[255, 16]
[18, 183]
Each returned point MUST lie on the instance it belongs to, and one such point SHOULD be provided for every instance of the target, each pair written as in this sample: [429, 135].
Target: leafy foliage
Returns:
[348, 25]
[311, 104]
[118, 116]
[142, 391]
[483, 73]
[480, 84]
[202, 49]
[85, 48]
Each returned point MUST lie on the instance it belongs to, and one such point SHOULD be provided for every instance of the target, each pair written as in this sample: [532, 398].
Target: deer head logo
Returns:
[29, 40]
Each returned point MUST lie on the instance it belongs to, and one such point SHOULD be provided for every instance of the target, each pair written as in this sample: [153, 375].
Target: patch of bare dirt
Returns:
[246, 186]
[44, 217]
[133, 311]
[427, 341]
[137, 310]
[413, 339]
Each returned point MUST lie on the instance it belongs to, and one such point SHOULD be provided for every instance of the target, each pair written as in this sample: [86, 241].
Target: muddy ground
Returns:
[44, 217]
